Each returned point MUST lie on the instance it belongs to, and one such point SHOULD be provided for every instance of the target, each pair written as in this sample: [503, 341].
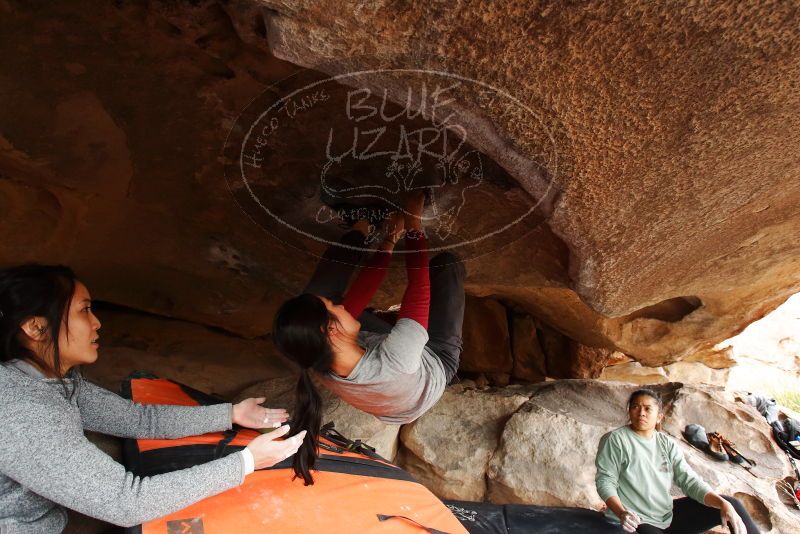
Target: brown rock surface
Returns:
[556, 348]
[685, 372]
[676, 200]
[583, 361]
[529, 360]
[634, 373]
[662, 147]
[124, 186]
[487, 342]
[567, 358]
[536, 442]
[209, 360]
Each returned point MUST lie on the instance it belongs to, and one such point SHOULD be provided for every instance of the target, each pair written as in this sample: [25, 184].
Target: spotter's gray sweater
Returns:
[46, 461]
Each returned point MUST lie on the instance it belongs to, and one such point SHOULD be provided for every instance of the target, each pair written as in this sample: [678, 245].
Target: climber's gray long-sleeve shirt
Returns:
[46, 461]
[399, 377]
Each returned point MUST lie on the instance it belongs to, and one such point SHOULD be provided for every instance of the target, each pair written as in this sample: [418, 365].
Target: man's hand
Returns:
[731, 519]
[250, 414]
[630, 521]
[267, 451]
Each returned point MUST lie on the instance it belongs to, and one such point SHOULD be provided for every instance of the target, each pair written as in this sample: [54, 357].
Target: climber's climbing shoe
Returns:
[734, 455]
[696, 435]
[715, 447]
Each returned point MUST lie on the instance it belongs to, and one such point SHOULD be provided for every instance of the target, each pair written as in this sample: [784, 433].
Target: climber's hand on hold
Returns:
[413, 210]
[394, 230]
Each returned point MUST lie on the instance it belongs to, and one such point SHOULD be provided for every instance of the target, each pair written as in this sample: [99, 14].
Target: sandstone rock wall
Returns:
[662, 153]
[675, 127]
[210, 360]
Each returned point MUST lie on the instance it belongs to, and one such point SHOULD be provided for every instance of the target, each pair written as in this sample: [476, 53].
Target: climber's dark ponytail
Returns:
[300, 331]
[308, 417]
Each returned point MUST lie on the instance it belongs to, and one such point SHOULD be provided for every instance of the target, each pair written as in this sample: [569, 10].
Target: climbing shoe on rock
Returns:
[734, 455]
[715, 447]
[696, 435]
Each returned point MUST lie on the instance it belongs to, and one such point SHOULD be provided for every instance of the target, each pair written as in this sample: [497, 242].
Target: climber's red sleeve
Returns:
[366, 283]
[417, 298]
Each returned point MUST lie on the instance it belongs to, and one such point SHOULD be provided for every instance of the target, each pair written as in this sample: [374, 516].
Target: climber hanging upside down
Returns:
[393, 372]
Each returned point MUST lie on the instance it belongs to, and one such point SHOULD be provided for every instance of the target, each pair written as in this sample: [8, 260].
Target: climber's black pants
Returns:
[692, 517]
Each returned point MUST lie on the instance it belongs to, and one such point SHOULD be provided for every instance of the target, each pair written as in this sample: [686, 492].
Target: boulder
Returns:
[585, 361]
[696, 373]
[740, 423]
[748, 430]
[529, 466]
[546, 453]
[556, 349]
[350, 421]
[500, 380]
[448, 449]
[686, 372]
[568, 358]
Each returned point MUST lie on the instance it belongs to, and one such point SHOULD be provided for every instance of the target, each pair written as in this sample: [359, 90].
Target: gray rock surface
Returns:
[449, 448]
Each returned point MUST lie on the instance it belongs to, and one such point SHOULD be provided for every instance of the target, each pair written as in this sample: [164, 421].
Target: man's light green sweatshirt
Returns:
[640, 471]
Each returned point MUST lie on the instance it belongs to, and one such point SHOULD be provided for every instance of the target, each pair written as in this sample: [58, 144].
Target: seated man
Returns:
[636, 466]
